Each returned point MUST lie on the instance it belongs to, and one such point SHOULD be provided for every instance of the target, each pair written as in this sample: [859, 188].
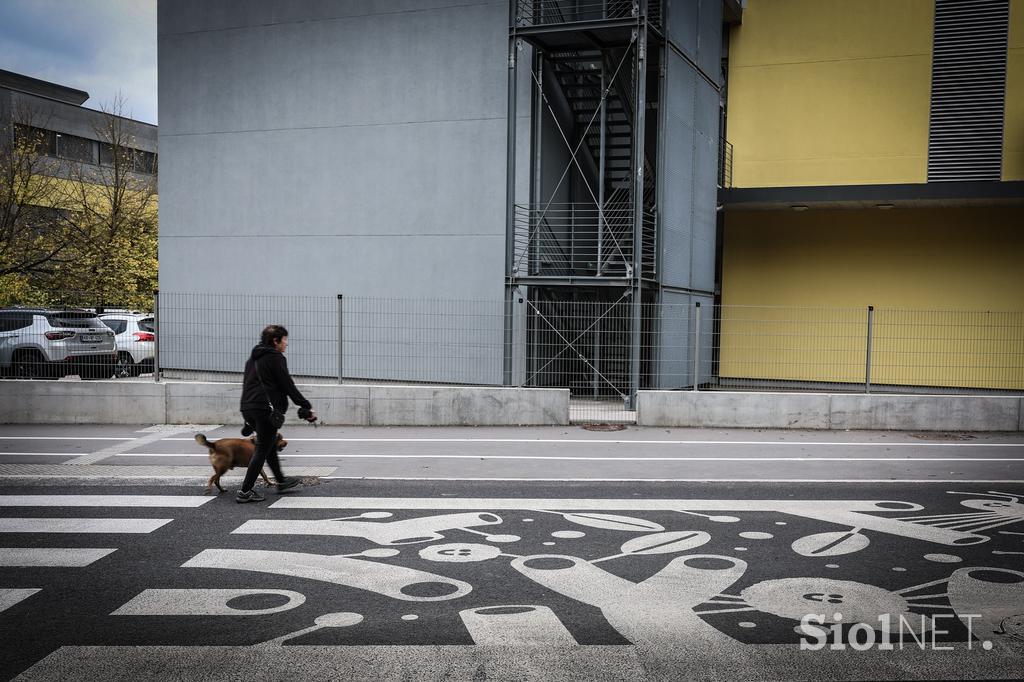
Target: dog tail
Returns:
[201, 439]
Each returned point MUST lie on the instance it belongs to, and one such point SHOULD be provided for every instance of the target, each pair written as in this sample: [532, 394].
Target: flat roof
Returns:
[35, 86]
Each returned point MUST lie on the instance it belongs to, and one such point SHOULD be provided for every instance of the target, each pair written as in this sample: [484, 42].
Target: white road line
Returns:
[63, 557]
[11, 596]
[490, 504]
[57, 525]
[62, 438]
[621, 459]
[171, 501]
[671, 480]
[41, 454]
[587, 441]
[100, 455]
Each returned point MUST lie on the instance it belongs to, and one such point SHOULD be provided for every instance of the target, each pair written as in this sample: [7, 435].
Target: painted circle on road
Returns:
[796, 597]
[755, 535]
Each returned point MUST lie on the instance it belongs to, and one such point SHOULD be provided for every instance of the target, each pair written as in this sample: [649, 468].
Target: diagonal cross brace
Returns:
[571, 344]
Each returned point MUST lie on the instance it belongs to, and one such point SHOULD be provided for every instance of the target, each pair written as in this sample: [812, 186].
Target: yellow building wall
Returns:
[1013, 140]
[830, 92]
[947, 286]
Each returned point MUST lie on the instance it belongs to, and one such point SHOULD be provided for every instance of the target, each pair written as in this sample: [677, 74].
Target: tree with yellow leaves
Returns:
[75, 233]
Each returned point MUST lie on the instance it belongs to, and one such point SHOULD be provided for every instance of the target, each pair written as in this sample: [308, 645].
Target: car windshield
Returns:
[75, 319]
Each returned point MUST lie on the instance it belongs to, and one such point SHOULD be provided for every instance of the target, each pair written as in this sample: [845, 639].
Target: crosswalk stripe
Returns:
[56, 525]
[40, 454]
[64, 557]
[169, 501]
[63, 438]
[11, 596]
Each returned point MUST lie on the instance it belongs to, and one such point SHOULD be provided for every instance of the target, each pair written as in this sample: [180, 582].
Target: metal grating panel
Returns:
[965, 136]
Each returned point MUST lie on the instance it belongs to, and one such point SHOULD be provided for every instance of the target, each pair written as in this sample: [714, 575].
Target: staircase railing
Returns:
[563, 239]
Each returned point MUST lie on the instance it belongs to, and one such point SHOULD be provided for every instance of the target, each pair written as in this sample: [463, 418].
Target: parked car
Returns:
[136, 342]
[40, 343]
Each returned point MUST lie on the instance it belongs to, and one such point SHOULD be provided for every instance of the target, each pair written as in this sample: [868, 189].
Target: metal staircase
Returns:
[583, 252]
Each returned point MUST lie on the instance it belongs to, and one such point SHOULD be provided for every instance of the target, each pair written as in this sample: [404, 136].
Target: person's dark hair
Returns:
[272, 333]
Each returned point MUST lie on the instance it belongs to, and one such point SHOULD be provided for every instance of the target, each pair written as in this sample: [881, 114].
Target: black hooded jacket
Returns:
[273, 370]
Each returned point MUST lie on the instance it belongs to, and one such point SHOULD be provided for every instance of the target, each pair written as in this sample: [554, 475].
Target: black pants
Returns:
[266, 448]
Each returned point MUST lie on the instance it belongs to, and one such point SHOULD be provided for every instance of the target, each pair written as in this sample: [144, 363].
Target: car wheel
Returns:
[29, 365]
[125, 367]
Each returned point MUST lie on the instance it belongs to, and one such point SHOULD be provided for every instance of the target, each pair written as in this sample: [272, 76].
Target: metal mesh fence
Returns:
[603, 350]
[208, 337]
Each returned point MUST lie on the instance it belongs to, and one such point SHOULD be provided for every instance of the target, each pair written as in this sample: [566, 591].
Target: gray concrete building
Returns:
[537, 154]
[69, 131]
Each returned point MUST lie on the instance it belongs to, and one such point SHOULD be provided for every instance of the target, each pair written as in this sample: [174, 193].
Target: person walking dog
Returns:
[266, 388]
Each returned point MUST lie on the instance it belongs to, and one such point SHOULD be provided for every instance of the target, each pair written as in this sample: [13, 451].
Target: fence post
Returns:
[696, 347]
[867, 362]
[156, 335]
[340, 343]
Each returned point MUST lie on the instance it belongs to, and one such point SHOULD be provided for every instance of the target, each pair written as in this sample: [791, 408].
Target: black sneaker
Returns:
[287, 483]
[251, 496]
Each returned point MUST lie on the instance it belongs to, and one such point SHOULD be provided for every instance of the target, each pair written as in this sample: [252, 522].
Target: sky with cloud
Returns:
[105, 47]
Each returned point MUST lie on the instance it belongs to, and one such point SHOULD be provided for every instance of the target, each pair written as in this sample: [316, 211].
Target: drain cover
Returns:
[604, 427]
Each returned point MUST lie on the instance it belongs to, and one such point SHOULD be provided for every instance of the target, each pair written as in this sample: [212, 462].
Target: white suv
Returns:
[136, 342]
[40, 343]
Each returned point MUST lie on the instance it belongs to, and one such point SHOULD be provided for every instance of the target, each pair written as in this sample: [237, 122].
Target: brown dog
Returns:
[228, 453]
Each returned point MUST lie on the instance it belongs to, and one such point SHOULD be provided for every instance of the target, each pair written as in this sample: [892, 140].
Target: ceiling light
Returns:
[798, 207]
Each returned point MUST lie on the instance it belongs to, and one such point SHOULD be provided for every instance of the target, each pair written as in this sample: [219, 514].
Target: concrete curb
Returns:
[720, 409]
[133, 402]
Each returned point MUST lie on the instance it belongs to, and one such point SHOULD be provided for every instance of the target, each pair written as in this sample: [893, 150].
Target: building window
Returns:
[74, 148]
[45, 141]
[145, 162]
[83, 150]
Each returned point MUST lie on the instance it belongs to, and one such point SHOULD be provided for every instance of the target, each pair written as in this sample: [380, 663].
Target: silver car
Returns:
[41, 343]
[135, 335]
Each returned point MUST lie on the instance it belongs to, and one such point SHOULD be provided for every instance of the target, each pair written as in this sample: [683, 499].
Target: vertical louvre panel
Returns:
[965, 136]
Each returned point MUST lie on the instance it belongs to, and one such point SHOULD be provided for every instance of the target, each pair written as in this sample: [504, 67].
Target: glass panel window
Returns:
[145, 162]
[106, 154]
[44, 140]
[118, 326]
[76, 148]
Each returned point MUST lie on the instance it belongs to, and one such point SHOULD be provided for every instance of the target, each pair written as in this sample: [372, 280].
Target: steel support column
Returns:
[638, 203]
[600, 217]
[510, 201]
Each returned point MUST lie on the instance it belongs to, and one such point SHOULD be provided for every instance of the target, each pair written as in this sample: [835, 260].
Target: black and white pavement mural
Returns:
[918, 580]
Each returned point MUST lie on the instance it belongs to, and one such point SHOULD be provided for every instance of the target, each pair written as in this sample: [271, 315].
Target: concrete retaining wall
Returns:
[131, 402]
[830, 411]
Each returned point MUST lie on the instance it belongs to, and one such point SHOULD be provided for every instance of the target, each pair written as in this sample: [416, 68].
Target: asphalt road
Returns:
[556, 453]
[507, 577]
